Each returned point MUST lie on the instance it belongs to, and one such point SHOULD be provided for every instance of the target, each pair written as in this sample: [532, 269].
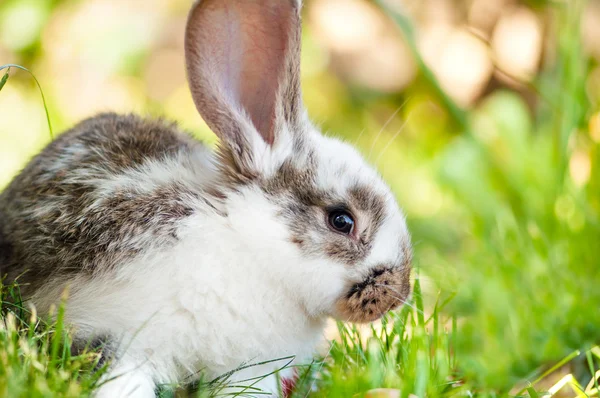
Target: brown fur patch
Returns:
[234, 171]
[364, 200]
[299, 183]
[55, 222]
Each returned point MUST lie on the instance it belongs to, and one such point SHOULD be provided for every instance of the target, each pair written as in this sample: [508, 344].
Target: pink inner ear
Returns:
[244, 44]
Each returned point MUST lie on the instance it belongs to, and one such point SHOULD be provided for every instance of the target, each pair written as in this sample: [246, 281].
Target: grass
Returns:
[35, 356]
[506, 302]
[411, 352]
[5, 77]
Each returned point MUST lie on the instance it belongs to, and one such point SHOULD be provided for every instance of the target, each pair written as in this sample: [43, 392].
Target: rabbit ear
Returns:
[243, 60]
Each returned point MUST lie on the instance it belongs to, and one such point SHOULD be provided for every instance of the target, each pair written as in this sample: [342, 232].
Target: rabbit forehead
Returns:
[340, 167]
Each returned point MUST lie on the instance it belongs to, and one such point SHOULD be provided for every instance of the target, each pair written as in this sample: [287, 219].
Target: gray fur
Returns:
[55, 221]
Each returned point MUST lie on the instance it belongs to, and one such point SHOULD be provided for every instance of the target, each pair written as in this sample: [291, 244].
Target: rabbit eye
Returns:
[341, 221]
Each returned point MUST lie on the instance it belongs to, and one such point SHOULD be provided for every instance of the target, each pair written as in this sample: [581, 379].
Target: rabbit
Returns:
[179, 259]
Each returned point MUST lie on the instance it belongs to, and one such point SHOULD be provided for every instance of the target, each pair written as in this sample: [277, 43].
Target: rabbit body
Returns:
[159, 269]
[183, 260]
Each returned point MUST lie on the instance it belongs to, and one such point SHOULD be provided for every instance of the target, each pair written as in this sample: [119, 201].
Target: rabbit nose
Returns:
[381, 290]
[370, 279]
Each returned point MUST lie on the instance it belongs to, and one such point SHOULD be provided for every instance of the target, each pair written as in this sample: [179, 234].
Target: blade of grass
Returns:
[559, 364]
[593, 372]
[5, 78]
[419, 302]
[57, 339]
[532, 392]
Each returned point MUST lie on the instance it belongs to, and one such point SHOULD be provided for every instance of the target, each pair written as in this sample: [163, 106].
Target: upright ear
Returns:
[243, 64]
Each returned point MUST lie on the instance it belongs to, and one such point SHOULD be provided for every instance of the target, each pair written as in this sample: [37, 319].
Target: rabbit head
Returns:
[326, 227]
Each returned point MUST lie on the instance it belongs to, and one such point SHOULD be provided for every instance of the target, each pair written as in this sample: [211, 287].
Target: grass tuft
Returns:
[35, 355]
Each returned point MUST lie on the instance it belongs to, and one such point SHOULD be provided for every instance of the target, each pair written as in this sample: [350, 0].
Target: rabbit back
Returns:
[100, 193]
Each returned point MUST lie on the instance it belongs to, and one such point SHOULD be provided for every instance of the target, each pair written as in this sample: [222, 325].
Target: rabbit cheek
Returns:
[383, 290]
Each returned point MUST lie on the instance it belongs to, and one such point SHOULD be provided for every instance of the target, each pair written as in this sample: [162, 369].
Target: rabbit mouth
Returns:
[383, 290]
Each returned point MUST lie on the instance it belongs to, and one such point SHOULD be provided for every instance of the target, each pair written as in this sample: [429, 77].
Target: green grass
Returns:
[413, 351]
[35, 356]
[508, 286]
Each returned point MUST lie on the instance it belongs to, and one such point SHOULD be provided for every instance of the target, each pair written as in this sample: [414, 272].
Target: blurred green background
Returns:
[481, 114]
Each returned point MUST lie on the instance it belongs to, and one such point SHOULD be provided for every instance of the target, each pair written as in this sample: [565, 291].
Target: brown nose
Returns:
[383, 289]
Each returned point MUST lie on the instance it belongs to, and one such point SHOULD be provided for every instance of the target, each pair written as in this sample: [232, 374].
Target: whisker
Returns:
[319, 371]
[396, 135]
[403, 301]
[388, 287]
[389, 284]
[413, 307]
[359, 137]
[384, 126]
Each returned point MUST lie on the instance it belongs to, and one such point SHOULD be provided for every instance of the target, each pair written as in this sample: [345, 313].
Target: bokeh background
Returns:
[481, 114]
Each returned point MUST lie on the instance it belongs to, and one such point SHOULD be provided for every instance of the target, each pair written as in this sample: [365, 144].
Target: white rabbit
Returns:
[183, 260]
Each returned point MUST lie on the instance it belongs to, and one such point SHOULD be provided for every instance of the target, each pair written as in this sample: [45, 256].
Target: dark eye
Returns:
[341, 221]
